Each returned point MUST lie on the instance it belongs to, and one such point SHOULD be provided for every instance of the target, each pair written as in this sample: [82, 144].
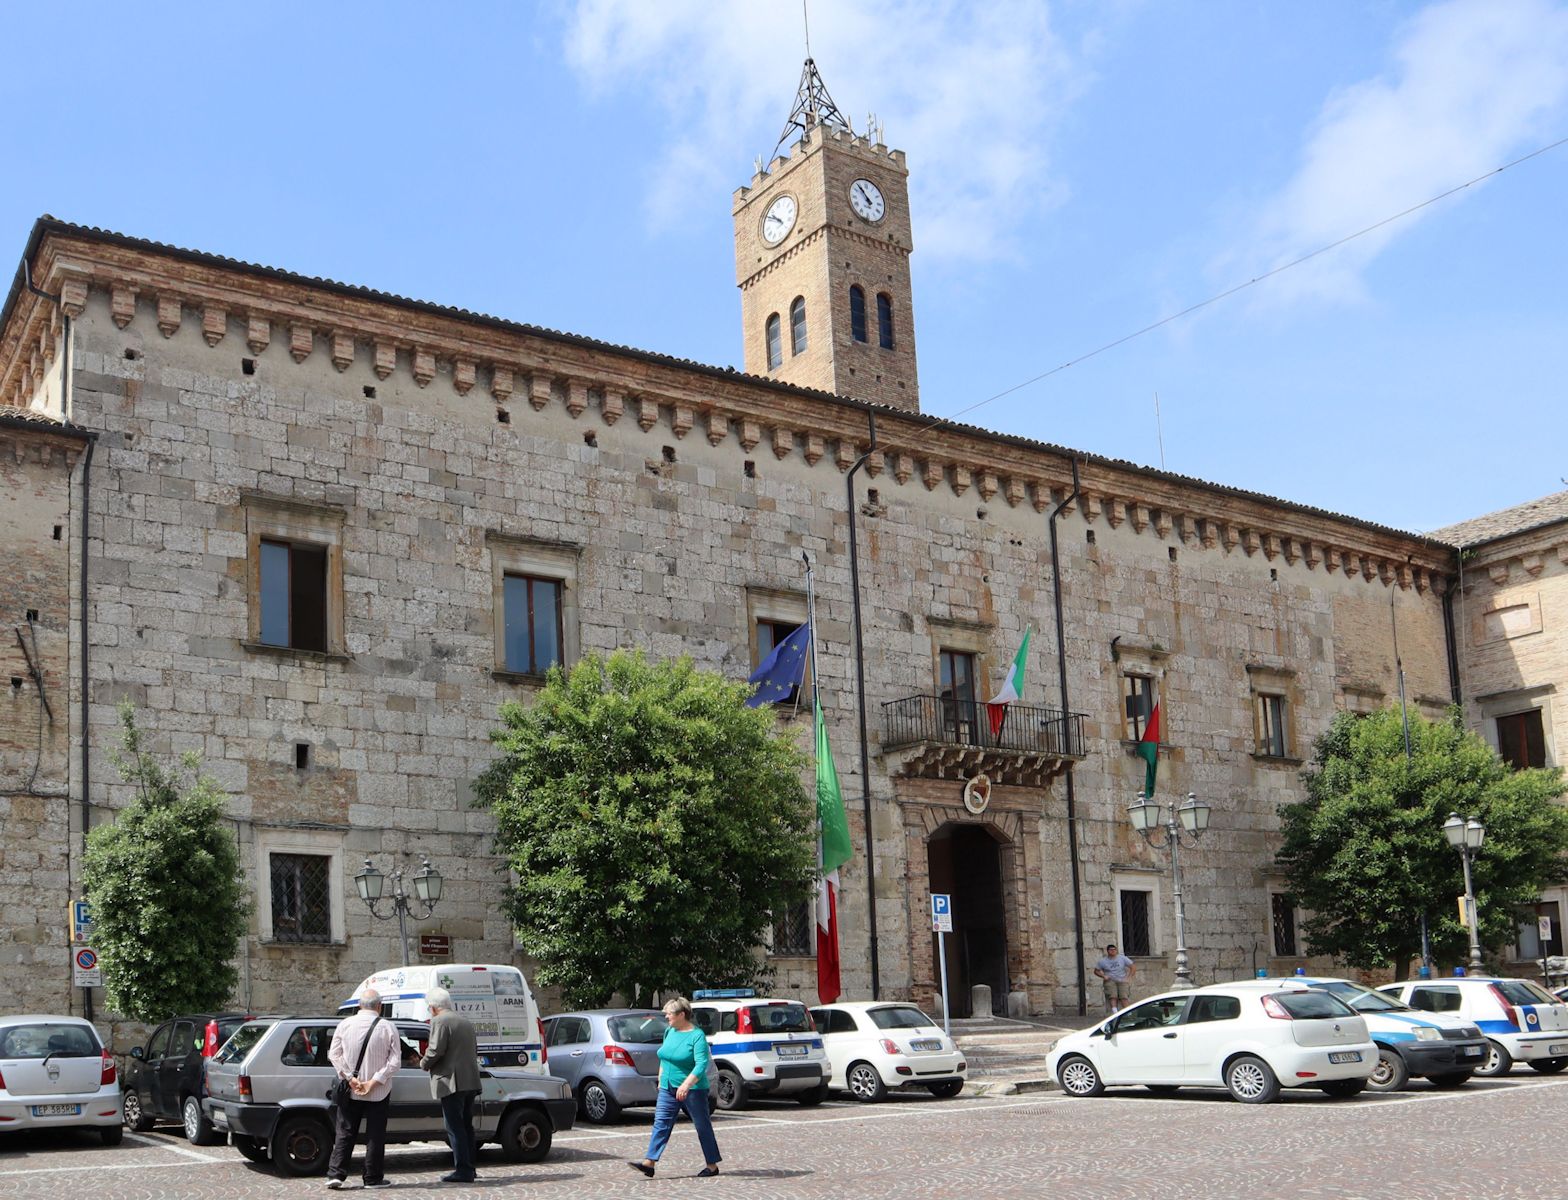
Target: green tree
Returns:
[1365, 851]
[652, 824]
[167, 893]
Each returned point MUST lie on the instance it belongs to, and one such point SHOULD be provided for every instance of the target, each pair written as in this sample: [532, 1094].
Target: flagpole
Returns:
[811, 625]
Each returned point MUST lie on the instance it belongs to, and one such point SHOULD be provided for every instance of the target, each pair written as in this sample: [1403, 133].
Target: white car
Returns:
[761, 1047]
[875, 1045]
[55, 1073]
[1251, 1038]
[1521, 1019]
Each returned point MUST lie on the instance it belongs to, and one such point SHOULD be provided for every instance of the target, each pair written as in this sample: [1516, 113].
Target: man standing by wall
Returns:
[365, 1052]
[452, 1058]
[1117, 971]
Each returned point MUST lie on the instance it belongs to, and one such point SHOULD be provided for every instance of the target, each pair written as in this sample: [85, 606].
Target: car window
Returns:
[1214, 1008]
[1522, 991]
[728, 1021]
[780, 1018]
[1312, 1005]
[238, 1047]
[569, 1031]
[158, 1044]
[644, 1029]
[48, 1039]
[412, 1044]
[1435, 999]
[1153, 1014]
[706, 1019]
[905, 1016]
[183, 1040]
[843, 1021]
[307, 1046]
[1359, 998]
[822, 1018]
[226, 1028]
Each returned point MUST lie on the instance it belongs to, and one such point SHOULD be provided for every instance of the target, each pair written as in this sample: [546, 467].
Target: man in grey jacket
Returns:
[452, 1058]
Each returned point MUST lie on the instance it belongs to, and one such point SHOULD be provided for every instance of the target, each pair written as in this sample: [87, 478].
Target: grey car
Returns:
[267, 1088]
[610, 1056]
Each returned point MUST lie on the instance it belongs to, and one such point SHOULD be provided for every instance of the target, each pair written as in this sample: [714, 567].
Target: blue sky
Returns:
[1079, 169]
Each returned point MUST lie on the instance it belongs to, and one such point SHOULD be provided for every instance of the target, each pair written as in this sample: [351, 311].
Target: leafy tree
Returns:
[1366, 853]
[168, 897]
[652, 823]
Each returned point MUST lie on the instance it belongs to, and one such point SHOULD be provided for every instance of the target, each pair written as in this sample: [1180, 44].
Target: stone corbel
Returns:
[302, 340]
[1330, 559]
[783, 442]
[718, 427]
[681, 420]
[170, 311]
[424, 365]
[540, 386]
[1139, 515]
[214, 323]
[46, 344]
[1370, 567]
[987, 485]
[1014, 491]
[1352, 564]
[1162, 523]
[903, 468]
[1091, 507]
[1421, 581]
[1229, 537]
[932, 475]
[1291, 550]
[1499, 573]
[1115, 512]
[73, 297]
[873, 463]
[342, 349]
[750, 435]
[815, 449]
[1186, 528]
[122, 303]
[962, 477]
[1251, 543]
[258, 333]
[577, 397]
[503, 382]
[1532, 564]
[385, 359]
[1271, 547]
[1311, 555]
[1404, 576]
[614, 405]
[1562, 553]
[647, 413]
[845, 454]
[464, 372]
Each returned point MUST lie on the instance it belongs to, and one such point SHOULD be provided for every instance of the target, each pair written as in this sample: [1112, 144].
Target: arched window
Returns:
[857, 313]
[775, 342]
[885, 320]
[797, 326]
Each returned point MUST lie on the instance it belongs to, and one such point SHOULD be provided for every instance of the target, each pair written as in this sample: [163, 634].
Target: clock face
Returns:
[778, 220]
[866, 199]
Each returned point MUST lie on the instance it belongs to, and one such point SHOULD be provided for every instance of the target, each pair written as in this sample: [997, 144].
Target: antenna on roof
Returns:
[813, 105]
[805, 20]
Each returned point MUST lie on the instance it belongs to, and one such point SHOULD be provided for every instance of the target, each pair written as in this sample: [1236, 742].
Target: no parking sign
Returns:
[85, 971]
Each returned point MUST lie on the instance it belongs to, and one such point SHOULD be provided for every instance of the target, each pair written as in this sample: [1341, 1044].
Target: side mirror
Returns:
[136, 1052]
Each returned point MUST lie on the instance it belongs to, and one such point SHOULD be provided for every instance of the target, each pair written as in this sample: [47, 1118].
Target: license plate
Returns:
[925, 1044]
[792, 1051]
[219, 1117]
[57, 1110]
[1477, 1051]
[1345, 1056]
[1559, 1048]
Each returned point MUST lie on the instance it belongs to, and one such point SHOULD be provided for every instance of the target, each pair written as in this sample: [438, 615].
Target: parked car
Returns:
[1521, 1020]
[1442, 1048]
[1251, 1038]
[761, 1047]
[56, 1073]
[268, 1087]
[166, 1080]
[610, 1056]
[494, 996]
[873, 1046]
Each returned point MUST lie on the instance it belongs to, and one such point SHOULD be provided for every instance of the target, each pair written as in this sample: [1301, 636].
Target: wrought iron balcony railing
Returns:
[1026, 728]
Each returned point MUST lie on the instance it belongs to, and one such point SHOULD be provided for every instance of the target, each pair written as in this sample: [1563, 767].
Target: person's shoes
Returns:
[641, 1166]
[334, 1184]
[375, 1183]
[707, 1173]
[454, 1177]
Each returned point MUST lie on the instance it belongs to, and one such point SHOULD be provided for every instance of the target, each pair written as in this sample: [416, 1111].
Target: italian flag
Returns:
[1012, 688]
[1149, 750]
[833, 851]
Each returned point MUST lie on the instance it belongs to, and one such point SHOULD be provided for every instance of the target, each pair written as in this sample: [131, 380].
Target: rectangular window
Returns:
[795, 930]
[533, 623]
[301, 897]
[1521, 740]
[769, 634]
[1271, 726]
[1284, 917]
[885, 320]
[956, 687]
[1138, 701]
[293, 595]
[1137, 939]
[857, 313]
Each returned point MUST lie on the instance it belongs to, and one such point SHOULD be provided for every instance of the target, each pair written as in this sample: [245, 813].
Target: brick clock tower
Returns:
[822, 243]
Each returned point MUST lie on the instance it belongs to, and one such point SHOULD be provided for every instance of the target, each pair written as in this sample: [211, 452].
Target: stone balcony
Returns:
[934, 737]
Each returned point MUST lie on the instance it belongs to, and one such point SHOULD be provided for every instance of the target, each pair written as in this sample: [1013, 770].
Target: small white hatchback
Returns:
[1251, 1038]
[876, 1045]
[55, 1072]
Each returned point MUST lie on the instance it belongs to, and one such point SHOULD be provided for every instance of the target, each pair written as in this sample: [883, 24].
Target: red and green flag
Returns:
[1149, 750]
[834, 851]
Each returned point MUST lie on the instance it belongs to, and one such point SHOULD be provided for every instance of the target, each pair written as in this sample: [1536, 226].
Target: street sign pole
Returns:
[942, 925]
[941, 956]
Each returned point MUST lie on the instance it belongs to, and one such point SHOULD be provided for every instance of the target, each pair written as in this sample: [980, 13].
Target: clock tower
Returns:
[822, 243]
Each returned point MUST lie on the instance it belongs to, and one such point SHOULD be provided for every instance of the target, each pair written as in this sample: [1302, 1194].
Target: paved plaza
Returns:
[1501, 1138]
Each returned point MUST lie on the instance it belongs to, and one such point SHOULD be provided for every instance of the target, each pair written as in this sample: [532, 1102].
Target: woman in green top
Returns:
[683, 1083]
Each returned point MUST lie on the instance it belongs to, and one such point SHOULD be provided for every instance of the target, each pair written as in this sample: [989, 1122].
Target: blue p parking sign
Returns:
[941, 913]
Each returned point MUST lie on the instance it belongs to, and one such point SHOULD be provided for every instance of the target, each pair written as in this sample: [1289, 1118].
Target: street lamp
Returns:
[1148, 817]
[1466, 835]
[427, 890]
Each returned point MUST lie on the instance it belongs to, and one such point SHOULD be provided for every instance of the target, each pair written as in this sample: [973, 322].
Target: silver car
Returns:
[55, 1073]
[267, 1088]
[610, 1056]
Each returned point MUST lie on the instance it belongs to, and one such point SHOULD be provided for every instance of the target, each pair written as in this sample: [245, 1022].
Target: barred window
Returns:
[795, 930]
[1272, 741]
[1284, 915]
[1137, 941]
[301, 897]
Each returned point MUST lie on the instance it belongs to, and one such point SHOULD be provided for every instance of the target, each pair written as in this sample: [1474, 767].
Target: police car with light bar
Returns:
[1521, 1020]
[761, 1047]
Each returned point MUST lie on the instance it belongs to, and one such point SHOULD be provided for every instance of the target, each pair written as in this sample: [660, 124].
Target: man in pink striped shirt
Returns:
[371, 1084]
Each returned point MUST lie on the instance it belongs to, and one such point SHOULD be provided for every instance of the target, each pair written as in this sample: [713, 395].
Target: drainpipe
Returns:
[1072, 802]
[1450, 639]
[860, 679]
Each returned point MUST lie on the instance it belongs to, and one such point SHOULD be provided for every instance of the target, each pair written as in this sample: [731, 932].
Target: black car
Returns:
[166, 1079]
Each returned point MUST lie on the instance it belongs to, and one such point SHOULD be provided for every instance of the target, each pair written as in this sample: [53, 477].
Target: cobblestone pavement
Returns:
[1498, 1138]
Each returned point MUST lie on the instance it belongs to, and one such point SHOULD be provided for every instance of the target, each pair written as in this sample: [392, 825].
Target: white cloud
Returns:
[970, 92]
[1470, 84]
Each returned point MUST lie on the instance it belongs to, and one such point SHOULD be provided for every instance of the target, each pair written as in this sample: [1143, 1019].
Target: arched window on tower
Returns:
[797, 326]
[775, 342]
[885, 320]
[857, 312]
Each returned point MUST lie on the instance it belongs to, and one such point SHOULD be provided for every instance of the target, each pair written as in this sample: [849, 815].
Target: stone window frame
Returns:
[514, 554]
[1271, 889]
[1278, 683]
[325, 843]
[1134, 661]
[1137, 879]
[781, 606]
[807, 907]
[271, 517]
[1512, 702]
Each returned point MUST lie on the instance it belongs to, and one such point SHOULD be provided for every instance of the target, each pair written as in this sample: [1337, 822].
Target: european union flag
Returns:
[783, 670]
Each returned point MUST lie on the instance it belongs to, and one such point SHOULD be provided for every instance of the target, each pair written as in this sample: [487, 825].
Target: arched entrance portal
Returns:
[965, 861]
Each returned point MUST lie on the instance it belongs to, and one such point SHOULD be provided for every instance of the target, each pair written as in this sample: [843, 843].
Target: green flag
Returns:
[836, 850]
[1149, 751]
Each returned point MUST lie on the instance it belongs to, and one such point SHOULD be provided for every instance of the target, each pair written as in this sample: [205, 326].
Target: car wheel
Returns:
[301, 1145]
[1498, 1061]
[1078, 1077]
[1163, 1089]
[1251, 1080]
[1450, 1081]
[136, 1118]
[199, 1130]
[112, 1135]
[598, 1105]
[525, 1135]
[1549, 1066]
[813, 1096]
[865, 1083]
[947, 1089]
[1343, 1089]
[1390, 1074]
[732, 1090]
[252, 1148]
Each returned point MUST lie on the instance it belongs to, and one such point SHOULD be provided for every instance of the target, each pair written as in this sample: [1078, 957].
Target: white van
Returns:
[494, 997]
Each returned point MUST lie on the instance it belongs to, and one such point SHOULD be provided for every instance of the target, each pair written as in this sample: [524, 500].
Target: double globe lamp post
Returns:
[427, 890]
[1149, 817]
[1466, 836]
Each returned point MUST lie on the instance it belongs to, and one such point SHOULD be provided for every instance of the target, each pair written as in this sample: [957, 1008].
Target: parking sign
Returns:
[941, 913]
[85, 971]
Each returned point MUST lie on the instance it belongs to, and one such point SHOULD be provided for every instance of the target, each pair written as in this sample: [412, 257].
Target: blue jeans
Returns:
[696, 1106]
[457, 1113]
